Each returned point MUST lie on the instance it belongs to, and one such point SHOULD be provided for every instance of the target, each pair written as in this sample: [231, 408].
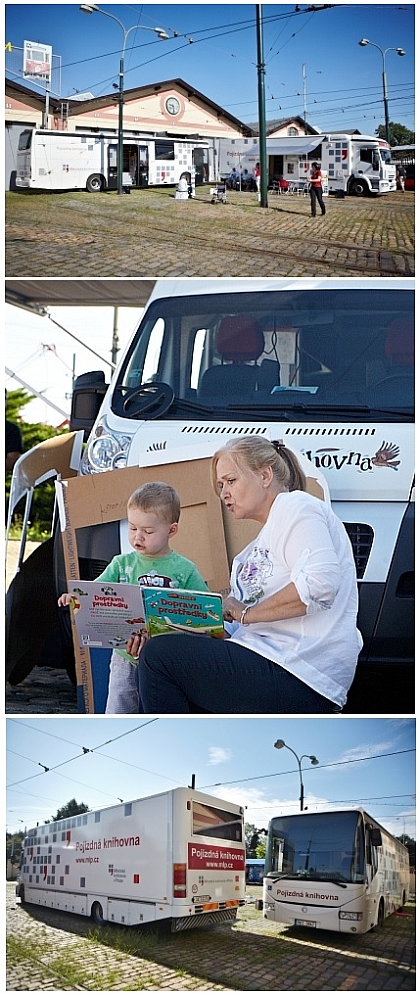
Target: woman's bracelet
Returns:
[242, 621]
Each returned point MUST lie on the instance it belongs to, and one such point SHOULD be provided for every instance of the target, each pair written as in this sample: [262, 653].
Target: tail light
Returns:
[180, 879]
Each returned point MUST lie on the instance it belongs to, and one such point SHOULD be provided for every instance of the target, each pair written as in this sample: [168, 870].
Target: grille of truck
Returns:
[361, 538]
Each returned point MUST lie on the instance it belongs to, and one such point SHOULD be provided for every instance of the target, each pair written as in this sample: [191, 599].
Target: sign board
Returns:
[37, 60]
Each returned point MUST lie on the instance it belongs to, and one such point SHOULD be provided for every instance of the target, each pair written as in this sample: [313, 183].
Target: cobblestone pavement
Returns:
[250, 954]
[44, 691]
[151, 234]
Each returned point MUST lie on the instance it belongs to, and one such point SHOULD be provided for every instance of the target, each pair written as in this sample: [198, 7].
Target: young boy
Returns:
[153, 512]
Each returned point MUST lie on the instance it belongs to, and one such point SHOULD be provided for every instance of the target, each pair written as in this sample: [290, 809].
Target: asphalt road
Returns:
[150, 234]
[49, 950]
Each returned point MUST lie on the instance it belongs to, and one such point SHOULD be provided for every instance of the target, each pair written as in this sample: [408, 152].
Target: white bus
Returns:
[64, 160]
[337, 870]
[179, 855]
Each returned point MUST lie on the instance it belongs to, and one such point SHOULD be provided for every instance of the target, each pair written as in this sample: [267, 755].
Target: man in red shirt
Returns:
[315, 189]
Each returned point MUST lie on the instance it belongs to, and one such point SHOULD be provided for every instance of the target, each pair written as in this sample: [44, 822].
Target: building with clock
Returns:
[170, 110]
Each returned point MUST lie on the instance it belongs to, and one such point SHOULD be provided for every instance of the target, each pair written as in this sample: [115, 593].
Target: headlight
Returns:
[105, 450]
[351, 916]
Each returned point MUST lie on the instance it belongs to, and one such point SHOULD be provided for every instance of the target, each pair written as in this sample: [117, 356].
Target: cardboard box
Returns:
[207, 534]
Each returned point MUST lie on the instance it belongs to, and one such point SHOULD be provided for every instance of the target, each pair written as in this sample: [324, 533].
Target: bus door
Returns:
[112, 166]
[135, 163]
[373, 878]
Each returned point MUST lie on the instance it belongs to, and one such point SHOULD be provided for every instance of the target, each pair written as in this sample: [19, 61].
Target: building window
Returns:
[292, 132]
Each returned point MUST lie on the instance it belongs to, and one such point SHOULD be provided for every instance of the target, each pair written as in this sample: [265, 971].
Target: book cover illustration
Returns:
[106, 614]
[196, 612]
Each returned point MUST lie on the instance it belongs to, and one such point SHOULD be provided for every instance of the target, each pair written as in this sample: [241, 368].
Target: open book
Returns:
[107, 614]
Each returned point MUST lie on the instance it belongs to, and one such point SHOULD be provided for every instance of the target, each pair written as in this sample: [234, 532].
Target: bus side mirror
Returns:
[89, 390]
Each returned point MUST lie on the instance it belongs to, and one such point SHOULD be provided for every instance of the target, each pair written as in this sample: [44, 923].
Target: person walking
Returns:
[257, 179]
[315, 189]
[401, 177]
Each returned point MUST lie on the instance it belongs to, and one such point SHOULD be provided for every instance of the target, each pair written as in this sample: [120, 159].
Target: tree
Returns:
[410, 844]
[254, 841]
[32, 434]
[14, 846]
[398, 134]
[70, 809]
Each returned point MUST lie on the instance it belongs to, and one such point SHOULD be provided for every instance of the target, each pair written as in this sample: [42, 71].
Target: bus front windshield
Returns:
[322, 846]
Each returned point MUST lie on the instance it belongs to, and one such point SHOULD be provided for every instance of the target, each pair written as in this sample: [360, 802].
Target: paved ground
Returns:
[151, 234]
[65, 952]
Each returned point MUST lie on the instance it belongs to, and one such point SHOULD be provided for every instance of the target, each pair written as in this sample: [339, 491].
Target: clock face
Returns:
[172, 105]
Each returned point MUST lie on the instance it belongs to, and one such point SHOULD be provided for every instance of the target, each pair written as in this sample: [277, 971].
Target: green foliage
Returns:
[14, 846]
[70, 809]
[261, 849]
[398, 134]
[410, 845]
[44, 494]
[255, 841]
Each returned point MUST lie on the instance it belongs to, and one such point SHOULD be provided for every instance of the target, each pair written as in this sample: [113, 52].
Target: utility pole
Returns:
[261, 106]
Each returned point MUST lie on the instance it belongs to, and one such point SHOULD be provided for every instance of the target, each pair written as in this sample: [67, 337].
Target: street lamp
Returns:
[92, 8]
[280, 744]
[400, 51]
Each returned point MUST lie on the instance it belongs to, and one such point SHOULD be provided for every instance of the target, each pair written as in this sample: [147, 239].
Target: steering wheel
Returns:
[151, 399]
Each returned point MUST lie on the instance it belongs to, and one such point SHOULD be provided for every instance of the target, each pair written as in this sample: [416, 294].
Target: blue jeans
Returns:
[178, 674]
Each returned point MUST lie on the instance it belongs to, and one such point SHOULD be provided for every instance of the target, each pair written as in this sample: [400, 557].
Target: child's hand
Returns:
[64, 600]
[135, 644]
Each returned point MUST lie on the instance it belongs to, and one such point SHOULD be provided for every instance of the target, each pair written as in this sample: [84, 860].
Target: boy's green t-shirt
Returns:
[172, 570]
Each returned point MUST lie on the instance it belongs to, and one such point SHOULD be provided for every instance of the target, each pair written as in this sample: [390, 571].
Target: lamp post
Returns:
[400, 51]
[280, 744]
[92, 8]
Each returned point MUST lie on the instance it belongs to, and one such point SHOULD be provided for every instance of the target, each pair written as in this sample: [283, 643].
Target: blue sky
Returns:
[361, 760]
[43, 355]
[215, 51]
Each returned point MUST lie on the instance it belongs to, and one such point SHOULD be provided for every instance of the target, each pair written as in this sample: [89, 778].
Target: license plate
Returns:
[304, 921]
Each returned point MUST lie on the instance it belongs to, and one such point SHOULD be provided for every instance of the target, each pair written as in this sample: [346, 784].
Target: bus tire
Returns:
[381, 914]
[21, 893]
[358, 188]
[95, 183]
[97, 914]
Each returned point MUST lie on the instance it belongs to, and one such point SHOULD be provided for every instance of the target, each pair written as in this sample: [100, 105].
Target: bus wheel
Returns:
[381, 915]
[97, 913]
[359, 188]
[94, 183]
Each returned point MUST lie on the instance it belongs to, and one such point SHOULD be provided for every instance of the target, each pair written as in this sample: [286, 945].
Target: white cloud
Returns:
[365, 751]
[259, 808]
[219, 755]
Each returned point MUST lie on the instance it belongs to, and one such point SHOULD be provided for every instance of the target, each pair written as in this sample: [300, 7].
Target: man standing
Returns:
[401, 176]
[315, 189]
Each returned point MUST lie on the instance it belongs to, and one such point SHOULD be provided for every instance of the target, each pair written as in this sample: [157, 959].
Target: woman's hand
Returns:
[135, 644]
[232, 609]
[64, 600]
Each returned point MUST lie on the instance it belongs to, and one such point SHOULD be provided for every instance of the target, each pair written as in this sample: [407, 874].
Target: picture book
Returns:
[107, 614]
[197, 612]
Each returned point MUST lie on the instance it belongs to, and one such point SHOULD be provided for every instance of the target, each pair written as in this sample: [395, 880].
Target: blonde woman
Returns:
[292, 642]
